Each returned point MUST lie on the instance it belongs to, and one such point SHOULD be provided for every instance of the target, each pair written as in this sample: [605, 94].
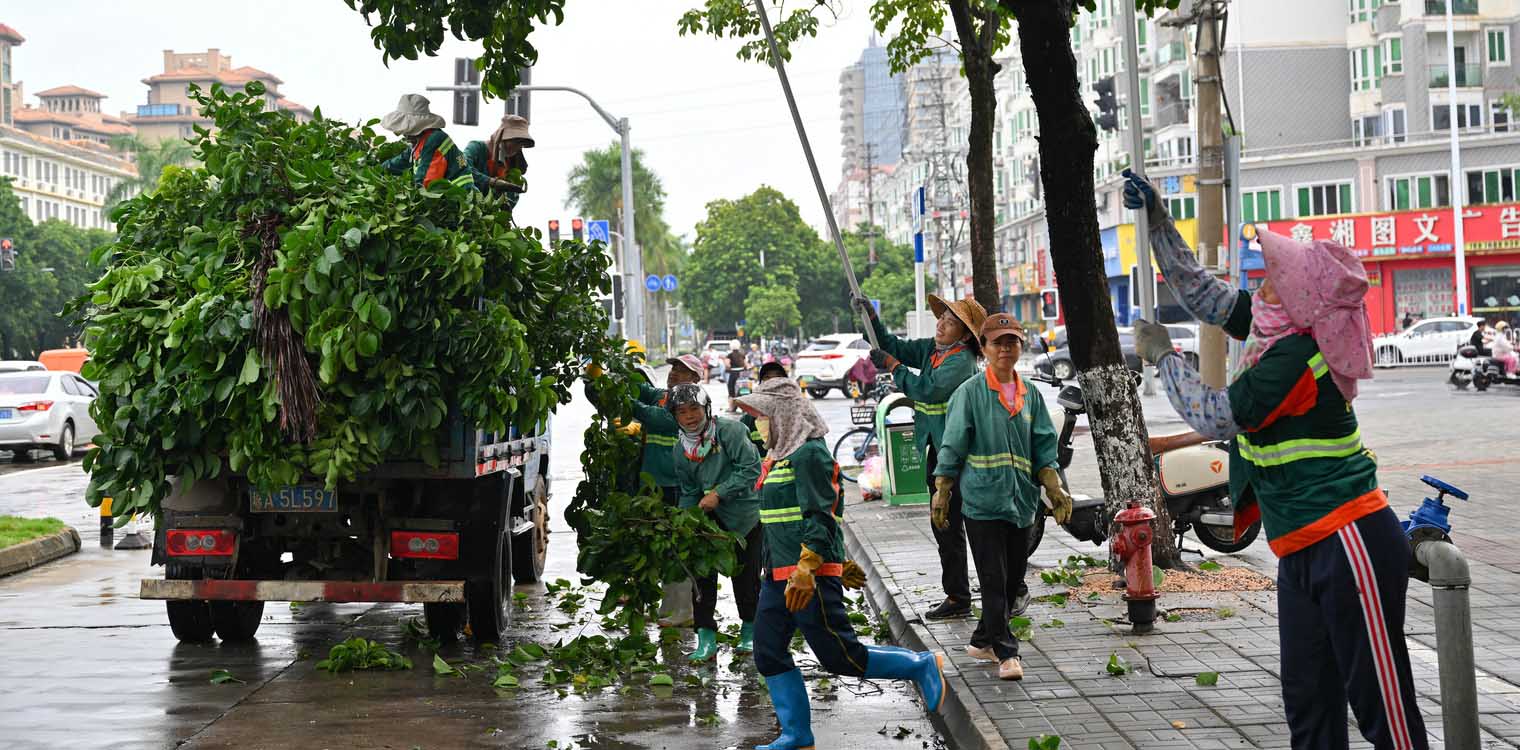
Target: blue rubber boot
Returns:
[789, 696]
[924, 668]
[746, 638]
[707, 646]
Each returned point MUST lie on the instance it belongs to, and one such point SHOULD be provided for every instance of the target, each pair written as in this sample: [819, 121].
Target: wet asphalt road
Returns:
[88, 665]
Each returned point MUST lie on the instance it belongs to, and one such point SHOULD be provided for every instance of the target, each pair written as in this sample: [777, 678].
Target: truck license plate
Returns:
[294, 500]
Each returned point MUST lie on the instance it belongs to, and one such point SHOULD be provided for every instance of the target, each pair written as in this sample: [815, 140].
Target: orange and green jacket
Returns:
[1298, 463]
[801, 503]
[478, 156]
[435, 157]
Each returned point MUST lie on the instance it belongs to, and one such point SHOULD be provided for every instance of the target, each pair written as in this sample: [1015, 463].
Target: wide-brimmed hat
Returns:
[513, 128]
[970, 312]
[412, 116]
[1003, 324]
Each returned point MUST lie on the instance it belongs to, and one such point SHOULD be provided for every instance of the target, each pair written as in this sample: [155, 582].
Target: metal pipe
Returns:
[1449, 580]
[807, 150]
[1145, 276]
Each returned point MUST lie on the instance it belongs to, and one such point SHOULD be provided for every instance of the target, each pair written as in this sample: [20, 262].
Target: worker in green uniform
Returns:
[942, 363]
[716, 466]
[661, 436]
[1297, 464]
[806, 570]
[999, 442]
[431, 154]
[499, 161]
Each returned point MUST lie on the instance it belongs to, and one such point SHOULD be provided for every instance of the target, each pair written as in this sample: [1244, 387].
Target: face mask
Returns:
[763, 426]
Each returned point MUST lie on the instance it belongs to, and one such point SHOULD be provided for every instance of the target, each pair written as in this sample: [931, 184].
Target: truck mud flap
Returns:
[304, 591]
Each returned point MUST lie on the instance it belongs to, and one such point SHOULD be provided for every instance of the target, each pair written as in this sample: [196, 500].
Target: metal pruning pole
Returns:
[1145, 276]
[807, 150]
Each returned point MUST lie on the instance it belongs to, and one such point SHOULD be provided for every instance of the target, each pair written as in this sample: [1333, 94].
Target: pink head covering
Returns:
[1324, 287]
[690, 362]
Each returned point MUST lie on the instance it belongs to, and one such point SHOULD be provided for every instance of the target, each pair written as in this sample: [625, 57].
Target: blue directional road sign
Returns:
[669, 282]
[599, 231]
[652, 283]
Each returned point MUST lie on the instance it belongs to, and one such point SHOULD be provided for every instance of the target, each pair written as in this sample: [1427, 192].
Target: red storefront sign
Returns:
[1411, 234]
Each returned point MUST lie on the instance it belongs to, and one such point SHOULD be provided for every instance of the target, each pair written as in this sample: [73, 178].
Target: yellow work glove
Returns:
[632, 429]
[799, 586]
[1060, 499]
[852, 577]
[939, 507]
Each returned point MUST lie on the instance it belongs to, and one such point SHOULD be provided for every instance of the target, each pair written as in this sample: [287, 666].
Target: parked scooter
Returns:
[1472, 367]
[1195, 483]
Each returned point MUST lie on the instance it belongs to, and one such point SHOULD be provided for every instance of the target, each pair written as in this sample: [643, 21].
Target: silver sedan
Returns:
[45, 410]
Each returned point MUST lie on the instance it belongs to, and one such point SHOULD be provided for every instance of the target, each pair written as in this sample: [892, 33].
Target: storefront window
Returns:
[1426, 292]
[1496, 292]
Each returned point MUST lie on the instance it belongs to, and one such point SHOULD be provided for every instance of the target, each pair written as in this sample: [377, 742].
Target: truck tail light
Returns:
[429, 545]
[36, 406]
[200, 542]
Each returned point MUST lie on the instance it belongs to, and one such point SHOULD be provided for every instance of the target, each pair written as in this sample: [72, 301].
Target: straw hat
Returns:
[513, 128]
[412, 116]
[970, 312]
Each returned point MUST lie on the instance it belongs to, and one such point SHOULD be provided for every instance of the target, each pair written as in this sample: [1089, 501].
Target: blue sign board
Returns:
[670, 282]
[876, 303]
[652, 283]
[599, 231]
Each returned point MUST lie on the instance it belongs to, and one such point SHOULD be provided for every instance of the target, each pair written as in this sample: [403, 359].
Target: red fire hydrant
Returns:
[1132, 545]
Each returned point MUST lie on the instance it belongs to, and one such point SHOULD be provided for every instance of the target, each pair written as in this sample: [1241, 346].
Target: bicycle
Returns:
[855, 447]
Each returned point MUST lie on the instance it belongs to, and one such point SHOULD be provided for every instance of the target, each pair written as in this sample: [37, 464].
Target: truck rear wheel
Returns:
[189, 619]
[489, 586]
[236, 621]
[530, 549]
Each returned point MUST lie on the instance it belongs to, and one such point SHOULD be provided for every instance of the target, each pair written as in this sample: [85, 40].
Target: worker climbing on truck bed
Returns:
[431, 153]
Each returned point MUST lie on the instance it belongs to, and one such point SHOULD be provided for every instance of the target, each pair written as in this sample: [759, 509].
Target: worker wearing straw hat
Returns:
[942, 363]
[499, 160]
[431, 154]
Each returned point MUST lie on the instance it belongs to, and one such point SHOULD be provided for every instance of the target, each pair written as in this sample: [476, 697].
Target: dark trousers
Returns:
[1340, 609]
[672, 495]
[951, 540]
[824, 624]
[746, 583]
[733, 382]
[1001, 552]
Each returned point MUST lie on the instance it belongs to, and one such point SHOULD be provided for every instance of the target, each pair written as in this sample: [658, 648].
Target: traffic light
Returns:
[1108, 106]
[553, 231]
[1050, 304]
[7, 255]
[617, 297]
[577, 229]
[466, 103]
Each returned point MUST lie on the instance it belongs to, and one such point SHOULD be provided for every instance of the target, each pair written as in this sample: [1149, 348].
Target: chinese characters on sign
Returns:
[1410, 233]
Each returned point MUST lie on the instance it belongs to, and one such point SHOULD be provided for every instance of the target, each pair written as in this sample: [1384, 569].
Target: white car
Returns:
[45, 410]
[1185, 340]
[20, 365]
[1430, 341]
[822, 366]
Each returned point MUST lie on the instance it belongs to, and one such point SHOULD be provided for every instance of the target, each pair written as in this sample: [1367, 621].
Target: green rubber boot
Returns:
[707, 646]
[746, 638]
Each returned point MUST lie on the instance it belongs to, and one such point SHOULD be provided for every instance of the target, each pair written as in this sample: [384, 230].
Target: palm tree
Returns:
[596, 191]
[150, 158]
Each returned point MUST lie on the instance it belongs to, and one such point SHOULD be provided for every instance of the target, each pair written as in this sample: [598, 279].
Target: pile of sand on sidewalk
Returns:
[1182, 582]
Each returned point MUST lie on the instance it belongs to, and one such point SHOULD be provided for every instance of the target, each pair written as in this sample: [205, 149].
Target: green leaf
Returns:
[1157, 576]
[369, 343]
[353, 237]
[1117, 666]
[1209, 566]
[505, 681]
[1045, 742]
[1206, 679]
[250, 372]
[381, 317]
[661, 679]
[441, 667]
[222, 676]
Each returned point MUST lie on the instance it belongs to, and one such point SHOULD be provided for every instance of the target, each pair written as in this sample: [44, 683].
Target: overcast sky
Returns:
[709, 125]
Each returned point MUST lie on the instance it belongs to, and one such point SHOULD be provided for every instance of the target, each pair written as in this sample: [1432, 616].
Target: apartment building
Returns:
[170, 113]
[54, 155]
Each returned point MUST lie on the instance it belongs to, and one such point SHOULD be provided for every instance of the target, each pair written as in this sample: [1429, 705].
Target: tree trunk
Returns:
[981, 73]
[1068, 141]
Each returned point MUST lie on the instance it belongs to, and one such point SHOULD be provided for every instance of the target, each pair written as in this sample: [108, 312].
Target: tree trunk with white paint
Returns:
[1068, 141]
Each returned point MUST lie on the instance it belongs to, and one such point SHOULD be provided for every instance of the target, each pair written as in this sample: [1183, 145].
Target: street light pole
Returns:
[1456, 182]
[633, 260]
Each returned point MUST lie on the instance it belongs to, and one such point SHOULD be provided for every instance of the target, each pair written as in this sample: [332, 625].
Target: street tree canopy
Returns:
[34, 296]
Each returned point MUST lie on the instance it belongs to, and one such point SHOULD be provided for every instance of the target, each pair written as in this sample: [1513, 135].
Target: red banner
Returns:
[1411, 234]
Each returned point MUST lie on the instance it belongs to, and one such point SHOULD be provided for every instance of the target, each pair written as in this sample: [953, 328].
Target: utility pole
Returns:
[1136, 133]
[1211, 339]
[871, 204]
[1456, 182]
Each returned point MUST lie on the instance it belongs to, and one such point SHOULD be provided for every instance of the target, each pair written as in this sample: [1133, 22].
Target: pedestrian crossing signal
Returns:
[1050, 304]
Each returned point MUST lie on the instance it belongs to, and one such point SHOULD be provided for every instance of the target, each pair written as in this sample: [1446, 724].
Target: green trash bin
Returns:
[905, 482]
